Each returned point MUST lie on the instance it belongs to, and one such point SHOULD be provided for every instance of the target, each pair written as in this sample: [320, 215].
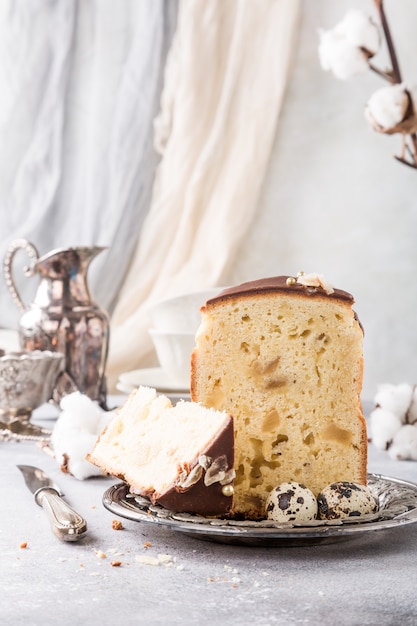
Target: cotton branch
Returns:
[349, 49]
[394, 76]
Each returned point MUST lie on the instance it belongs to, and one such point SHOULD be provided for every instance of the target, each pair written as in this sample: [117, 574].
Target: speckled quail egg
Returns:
[291, 502]
[345, 499]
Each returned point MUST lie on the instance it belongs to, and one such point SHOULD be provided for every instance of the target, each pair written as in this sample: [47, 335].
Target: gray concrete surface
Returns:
[364, 581]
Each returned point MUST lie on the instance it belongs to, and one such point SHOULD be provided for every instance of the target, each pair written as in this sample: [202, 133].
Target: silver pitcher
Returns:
[62, 317]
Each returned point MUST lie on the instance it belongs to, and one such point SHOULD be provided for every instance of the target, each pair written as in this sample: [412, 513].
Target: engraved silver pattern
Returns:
[397, 507]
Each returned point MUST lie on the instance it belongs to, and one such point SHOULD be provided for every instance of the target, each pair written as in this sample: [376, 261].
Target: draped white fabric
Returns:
[224, 85]
[80, 84]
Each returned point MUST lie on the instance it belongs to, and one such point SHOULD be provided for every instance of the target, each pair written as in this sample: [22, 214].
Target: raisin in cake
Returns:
[285, 359]
[180, 457]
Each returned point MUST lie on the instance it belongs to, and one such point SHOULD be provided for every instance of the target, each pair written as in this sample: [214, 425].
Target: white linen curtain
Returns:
[80, 83]
[224, 85]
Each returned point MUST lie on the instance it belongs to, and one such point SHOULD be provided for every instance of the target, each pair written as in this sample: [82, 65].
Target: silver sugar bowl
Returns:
[27, 380]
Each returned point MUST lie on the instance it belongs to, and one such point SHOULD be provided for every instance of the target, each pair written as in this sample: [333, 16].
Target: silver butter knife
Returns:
[66, 523]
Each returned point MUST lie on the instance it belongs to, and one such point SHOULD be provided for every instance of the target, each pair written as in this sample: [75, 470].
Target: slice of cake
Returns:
[180, 457]
[284, 357]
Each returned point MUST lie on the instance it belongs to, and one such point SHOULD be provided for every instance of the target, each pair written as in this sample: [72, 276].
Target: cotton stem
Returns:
[386, 75]
[395, 78]
[396, 72]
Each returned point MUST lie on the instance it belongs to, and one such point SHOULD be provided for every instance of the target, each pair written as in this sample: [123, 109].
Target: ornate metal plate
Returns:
[397, 506]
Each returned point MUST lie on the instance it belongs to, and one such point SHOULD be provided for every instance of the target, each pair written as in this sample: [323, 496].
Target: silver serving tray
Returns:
[397, 507]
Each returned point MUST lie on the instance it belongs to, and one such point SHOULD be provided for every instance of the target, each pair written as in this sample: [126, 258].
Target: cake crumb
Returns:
[23, 545]
[116, 563]
[147, 560]
[101, 554]
[161, 559]
[117, 524]
[147, 544]
[165, 558]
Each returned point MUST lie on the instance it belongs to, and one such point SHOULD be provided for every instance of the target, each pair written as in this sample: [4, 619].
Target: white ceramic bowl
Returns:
[174, 350]
[181, 313]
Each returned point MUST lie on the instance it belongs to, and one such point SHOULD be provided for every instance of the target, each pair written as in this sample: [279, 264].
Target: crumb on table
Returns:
[101, 554]
[117, 524]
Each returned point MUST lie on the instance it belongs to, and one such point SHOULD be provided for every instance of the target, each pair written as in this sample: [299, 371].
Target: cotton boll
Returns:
[394, 398]
[404, 445]
[337, 55]
[75, 434]
[360, 31]
[328, 41]
[76, 400]
[346, 48]
[82, 411]
[71, 452]
[383, 426]
[387, 107]
[82, 469]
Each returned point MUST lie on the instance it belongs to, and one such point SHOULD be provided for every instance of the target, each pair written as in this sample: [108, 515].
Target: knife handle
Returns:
[66, 523]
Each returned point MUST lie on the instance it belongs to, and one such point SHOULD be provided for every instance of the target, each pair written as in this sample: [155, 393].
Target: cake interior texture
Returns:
[167, 453]
[288, 366]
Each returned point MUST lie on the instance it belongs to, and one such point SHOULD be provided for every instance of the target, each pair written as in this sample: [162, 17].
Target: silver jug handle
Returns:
[19, 244]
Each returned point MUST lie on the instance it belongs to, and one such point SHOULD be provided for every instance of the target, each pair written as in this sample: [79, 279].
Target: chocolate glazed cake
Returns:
[181, 457]
[283, 355]
[212, 494]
